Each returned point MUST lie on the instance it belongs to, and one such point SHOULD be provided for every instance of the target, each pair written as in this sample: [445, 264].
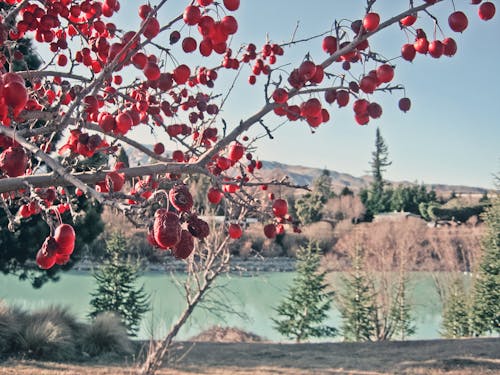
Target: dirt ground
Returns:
[439, 357]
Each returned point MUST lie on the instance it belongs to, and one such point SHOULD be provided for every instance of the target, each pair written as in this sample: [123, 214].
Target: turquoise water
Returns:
[252, 300]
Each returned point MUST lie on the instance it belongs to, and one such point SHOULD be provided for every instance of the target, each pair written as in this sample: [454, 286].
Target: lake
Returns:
[252, 298]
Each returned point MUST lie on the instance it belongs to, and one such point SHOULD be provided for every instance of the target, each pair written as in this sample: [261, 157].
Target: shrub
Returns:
[9, 326]
[49, 334]
[106, 336]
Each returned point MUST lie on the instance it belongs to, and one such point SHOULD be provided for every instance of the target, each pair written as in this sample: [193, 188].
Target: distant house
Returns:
[394, 216]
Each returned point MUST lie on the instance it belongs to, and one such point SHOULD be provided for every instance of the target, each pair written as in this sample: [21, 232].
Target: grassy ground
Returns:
[438, 357]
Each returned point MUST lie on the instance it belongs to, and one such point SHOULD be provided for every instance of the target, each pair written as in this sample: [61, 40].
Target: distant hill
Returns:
[305, 175]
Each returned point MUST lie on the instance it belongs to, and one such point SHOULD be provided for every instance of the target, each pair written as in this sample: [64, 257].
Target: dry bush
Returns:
[106, 336]
[251, 242]
[10, 318]
[291, 242]
[454, 248]
[49, 334]
[344, 207]
[322, 232]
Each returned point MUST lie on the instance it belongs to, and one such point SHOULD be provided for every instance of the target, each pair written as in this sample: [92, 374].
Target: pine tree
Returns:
[306, 307]
[357, 303]
[456, 322]
[375, 199]
[309, 206]
[486, 287]
[401, 310]
[116, 290]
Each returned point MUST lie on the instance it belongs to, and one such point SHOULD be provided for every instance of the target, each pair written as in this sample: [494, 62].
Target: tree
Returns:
[380, 161]
[456, 311]
[116, 287]
[101, 79]
[357, 302]
[303, 311]
[486, 284]
[309, 206]
[84, 92]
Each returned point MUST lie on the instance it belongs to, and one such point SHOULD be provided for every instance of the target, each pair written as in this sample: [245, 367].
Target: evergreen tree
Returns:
[456, 322]
[486, 287]
[116, 287]
[309, 206]
[322, 186]
[401, 310]
[346, 191]
[306, 307]
[375, 199]
[380, 160]
[357, 303]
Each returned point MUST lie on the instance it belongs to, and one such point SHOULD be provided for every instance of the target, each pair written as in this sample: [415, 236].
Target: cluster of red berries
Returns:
[268, 53]
[58, 248]
[176, 230]
[215, 33]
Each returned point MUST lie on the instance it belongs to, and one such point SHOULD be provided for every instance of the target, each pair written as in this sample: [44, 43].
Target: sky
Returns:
[451, 135]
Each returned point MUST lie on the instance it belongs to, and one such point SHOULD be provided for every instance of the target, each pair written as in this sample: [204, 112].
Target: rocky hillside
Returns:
[305, 175]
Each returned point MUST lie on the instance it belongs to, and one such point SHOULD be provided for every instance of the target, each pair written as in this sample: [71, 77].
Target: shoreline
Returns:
[237, 266]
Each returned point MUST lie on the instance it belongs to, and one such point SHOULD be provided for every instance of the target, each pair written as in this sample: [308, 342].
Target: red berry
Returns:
[329, 44]
[450, 47]
[280, 207]
[404, 104]
[235, 231]
[189, 44]
[385, 73]
[214, 195]
[236, 152]
[310, 108]
[368, 84]
[458, 21]
[181, 198]
[181, 74]
[185, 246]
[114, 181]
[151, 71]
[197, 227]
[166, 228]
[371, 21]
[152, 28]
[15, 94]
[13, 161]
[421, 45]
[178, 156]
[307, 70]
[64, 235]
[191, 15]
[159, 148]
[280, 95]
[342, 98]
[436, 49]
[408, 52]
[486, 11]
[374, 110]
[270, 230]
[232, 5]
[205, 3]
[408, 20]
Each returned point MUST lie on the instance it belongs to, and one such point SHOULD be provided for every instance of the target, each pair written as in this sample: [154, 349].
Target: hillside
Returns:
[304, 176]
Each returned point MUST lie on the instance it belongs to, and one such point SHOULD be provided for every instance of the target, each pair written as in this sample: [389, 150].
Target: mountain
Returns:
[301, 175]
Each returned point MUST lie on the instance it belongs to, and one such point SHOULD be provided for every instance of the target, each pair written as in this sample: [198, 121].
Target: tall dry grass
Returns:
[106, 335]
[54, 334]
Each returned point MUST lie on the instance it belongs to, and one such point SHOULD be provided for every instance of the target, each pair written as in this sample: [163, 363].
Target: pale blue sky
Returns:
[452, 133]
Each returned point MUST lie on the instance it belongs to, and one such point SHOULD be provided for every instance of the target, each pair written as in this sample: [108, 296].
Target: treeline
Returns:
[374, 295]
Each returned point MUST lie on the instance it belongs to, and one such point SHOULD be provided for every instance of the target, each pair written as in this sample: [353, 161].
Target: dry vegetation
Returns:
[439, 357]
